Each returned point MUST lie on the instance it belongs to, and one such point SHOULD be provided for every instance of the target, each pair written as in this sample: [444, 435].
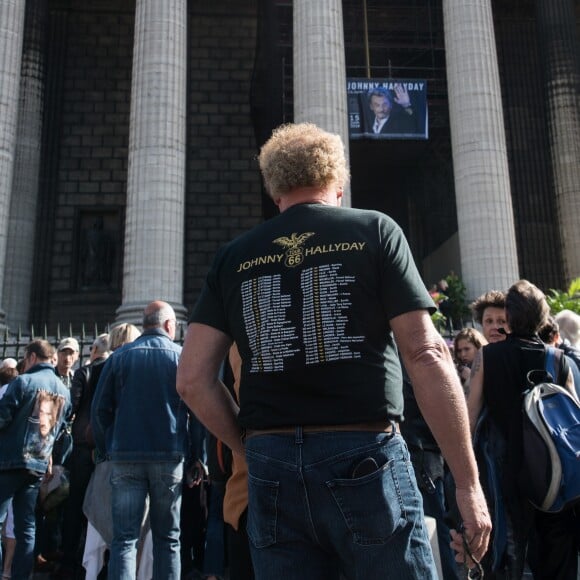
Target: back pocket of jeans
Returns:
[372, 506]
[262, 514]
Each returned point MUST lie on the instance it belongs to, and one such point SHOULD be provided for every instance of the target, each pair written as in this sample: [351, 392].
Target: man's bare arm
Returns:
[442, 402]
[199, 385]
[475, 393]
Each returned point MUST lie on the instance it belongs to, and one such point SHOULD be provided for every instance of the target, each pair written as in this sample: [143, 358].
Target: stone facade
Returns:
[91, 180]
[223, 182]
[243, 77]
[223, 190]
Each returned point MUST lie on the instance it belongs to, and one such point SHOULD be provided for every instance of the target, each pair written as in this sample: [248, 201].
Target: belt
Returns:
[374, 427]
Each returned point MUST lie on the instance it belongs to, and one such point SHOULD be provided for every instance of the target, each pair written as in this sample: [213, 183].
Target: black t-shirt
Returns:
[307, 296]
[506, 365]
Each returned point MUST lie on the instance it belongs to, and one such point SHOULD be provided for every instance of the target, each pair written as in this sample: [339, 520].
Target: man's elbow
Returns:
[187, 385]
[427, 354]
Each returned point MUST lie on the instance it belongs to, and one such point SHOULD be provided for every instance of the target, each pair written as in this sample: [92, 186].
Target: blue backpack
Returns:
[551, 440]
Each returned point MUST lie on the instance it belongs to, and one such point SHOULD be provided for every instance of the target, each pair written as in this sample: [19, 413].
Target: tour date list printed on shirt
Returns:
[270, 334]
[326, 299]
[324, 302]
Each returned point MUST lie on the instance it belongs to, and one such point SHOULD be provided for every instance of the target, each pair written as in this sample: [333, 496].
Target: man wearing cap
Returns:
[80, 462]
[66, 357]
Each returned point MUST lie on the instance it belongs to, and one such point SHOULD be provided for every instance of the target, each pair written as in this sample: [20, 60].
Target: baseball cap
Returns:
[68, 342]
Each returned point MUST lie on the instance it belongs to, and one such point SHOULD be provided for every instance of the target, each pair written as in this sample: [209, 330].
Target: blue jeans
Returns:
[309, 519]
[131, 483]
[23, 487]
[213, 560]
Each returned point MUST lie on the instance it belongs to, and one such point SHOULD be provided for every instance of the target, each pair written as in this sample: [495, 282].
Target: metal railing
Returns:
[13, 344]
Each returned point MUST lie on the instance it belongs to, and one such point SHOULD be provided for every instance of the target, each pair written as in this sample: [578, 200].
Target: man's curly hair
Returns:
[302, 155]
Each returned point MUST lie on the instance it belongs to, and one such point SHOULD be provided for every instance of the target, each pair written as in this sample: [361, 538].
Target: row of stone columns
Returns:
[484, 205]
[485, 216]
[154, 229]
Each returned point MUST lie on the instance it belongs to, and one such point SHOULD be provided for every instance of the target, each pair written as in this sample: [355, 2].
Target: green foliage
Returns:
[456, 291]
[449, 297]
[559, 300]
[439, 321]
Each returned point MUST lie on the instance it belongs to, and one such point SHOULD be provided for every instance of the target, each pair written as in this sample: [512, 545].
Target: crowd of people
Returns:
[312, 420]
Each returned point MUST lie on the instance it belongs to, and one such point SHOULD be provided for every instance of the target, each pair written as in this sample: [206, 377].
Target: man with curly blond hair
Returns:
[314, 300]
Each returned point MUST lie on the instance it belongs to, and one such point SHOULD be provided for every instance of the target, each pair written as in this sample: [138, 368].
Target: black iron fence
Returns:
[12, 344]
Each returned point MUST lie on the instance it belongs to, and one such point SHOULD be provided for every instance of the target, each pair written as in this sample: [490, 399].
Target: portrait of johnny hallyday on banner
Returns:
[387, 108]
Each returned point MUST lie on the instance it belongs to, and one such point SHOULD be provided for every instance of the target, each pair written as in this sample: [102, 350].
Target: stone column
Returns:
[482, 187]
[320, 69]
[22, 223]
[11, 37]
[154, 225]
[558, 41]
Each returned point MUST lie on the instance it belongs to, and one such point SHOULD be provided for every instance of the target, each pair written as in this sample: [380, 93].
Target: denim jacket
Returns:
[137, 414]
[33, 411]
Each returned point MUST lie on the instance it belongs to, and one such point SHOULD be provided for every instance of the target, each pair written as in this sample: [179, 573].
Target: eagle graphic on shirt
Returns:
[294, 255]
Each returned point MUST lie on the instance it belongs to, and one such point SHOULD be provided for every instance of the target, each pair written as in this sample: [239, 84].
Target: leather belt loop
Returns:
[299, 435]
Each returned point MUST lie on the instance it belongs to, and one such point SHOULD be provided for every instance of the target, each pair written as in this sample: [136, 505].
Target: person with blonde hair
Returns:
[314, 299]
[122, 334]
[97, 504]
[465, 346]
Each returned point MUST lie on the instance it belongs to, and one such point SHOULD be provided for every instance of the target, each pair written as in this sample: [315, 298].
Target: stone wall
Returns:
[85, 198]
[90, 168]
[223, 182]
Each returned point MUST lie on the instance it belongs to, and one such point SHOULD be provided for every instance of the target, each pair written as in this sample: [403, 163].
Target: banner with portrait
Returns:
[387, 108]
